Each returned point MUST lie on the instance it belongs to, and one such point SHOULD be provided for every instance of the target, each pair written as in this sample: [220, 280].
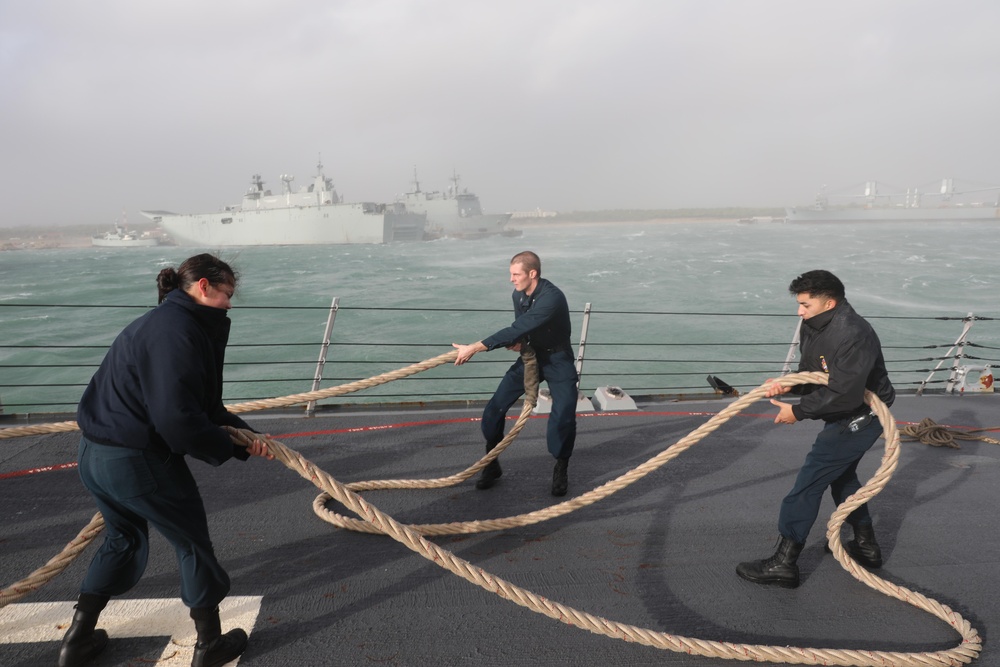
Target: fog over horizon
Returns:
[561, 105]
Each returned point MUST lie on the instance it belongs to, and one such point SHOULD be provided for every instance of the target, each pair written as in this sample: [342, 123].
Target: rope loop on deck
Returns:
[410, 536]
[931, 433]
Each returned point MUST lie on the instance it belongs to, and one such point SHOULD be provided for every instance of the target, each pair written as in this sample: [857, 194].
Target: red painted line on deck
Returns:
[33, 471]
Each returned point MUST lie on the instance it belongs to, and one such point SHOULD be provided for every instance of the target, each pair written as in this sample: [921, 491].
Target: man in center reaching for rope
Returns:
[839, 342]
[541, 320]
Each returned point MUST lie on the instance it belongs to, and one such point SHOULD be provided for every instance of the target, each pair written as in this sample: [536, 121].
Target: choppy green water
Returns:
[895, 270]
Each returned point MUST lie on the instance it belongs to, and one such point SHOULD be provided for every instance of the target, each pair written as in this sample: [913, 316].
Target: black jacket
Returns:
[160, 385]
[542, 320]
[842, 344]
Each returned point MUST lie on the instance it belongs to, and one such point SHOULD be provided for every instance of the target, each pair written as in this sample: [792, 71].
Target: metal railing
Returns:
[48, 352]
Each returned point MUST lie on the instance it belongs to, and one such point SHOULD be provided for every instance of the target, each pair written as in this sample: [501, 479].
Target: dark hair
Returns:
[528, 260]
[818, 284]
[191, 271]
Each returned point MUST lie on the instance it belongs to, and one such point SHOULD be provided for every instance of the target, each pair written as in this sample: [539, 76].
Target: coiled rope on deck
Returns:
[937, 435]
[965, 652]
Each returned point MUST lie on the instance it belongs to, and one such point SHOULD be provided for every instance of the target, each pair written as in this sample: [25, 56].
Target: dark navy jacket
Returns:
[843, 345]
[542, 320]
[160, 385]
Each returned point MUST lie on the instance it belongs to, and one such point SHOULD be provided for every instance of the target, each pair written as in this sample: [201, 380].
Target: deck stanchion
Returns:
[321, 364]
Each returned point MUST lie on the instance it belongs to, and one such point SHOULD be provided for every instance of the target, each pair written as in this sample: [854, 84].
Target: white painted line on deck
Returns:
[48, 622]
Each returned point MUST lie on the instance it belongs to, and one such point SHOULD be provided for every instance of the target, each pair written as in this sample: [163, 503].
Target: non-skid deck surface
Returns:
[660, 554]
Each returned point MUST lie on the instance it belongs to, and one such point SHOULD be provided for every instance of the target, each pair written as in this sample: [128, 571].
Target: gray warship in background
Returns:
[122, 237]
[948, 204]
[455, 213]
[314, 215]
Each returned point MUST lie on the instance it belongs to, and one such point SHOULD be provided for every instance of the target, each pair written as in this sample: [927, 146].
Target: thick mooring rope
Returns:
[965, 652]
[61, 561]
[56, 564]
[267, 403]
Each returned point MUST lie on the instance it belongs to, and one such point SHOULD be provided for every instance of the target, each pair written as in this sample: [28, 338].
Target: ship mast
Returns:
[323, 186]
[416, 183]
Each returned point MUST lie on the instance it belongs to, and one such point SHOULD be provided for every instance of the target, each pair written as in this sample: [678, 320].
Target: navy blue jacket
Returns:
[160, 385]
[542, 320]
[842, 344]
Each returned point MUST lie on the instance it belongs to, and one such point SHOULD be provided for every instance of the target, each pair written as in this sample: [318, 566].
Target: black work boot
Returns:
[863, 548]
[491, 473]
[82, 642]
[215, 649]
[779, 570]
[560, 481]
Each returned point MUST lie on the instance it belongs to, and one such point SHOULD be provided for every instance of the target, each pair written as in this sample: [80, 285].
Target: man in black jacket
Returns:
[839, 342]
[541, 319]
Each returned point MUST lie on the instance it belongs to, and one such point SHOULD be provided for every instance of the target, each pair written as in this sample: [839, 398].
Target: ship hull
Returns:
[332, 224]
[100, 242]
[476, 227]
[901, 214]
[445, 217]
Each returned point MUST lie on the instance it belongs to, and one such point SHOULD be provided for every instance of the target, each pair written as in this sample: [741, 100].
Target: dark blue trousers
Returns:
[134, 488]
[559, 372]
[832, 462]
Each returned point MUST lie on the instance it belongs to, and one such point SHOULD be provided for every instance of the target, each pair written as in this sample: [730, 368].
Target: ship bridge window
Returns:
[227, 221]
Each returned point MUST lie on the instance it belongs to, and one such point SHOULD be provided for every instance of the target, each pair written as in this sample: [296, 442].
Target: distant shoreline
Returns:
[79, 236]
[47, 238]
[525, 223]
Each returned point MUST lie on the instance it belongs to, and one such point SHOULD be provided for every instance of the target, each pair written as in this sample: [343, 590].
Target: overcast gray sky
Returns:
[563, 105]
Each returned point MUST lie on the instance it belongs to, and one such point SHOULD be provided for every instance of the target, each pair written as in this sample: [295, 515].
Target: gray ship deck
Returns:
[660, 554]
